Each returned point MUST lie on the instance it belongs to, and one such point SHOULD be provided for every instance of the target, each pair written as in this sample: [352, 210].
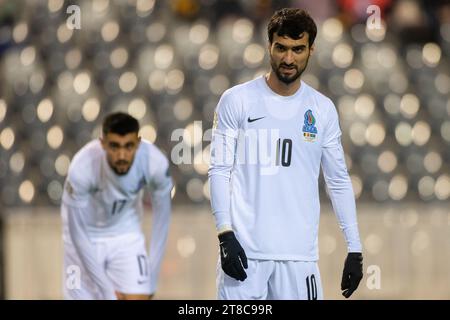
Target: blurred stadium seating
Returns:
[167, 63]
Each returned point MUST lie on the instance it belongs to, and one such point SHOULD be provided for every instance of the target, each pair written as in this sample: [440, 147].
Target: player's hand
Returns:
[353, 273]
[232, 256]
[120, 296]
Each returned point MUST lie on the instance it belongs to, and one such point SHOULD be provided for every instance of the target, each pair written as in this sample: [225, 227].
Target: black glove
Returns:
[232, 256]
[353, 273]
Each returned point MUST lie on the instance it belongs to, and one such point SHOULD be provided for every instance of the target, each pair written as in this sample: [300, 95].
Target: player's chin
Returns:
[288, 78]
[121, 170]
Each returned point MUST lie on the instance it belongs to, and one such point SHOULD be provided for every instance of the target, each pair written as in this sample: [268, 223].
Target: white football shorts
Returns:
[125, 261]
[272, 280]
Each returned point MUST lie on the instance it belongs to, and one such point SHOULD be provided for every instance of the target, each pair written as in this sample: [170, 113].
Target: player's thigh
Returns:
[296, 280]
[121, 296]
[254, 287]
[76, 283]
[127, 265]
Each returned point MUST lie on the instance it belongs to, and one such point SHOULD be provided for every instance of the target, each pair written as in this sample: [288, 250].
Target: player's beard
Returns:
[116, 169]
[291, 78]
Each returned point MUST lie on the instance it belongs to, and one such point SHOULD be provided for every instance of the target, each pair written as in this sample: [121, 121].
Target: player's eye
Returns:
[298, 49]
[280, 47]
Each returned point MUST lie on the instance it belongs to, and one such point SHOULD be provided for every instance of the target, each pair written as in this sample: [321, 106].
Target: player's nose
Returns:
[288, 57]
[122, 154]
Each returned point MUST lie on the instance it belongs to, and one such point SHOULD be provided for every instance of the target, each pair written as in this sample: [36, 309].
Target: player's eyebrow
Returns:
[118, 145]
[282, 46]
[302, 46]
[279, 45]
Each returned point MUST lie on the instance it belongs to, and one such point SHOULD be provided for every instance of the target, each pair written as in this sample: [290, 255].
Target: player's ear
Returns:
[311, 49]
[103, 142]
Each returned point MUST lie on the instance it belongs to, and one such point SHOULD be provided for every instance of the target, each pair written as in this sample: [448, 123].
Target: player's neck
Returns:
[280, 87]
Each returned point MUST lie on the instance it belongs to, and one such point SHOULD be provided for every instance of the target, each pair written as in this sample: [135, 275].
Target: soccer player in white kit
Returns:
[105, 255]
[271, 136]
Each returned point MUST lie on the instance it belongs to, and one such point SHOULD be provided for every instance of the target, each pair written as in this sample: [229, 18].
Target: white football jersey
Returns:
[272, 148]
[113, 202]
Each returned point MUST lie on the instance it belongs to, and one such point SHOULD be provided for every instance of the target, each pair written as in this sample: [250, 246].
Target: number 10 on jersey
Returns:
[285, 146]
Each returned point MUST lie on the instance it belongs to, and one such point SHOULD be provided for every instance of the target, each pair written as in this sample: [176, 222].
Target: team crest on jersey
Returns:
[309, 127]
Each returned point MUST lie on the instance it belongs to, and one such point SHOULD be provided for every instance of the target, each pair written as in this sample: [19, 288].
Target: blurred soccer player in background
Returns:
[101, 212]
[267, 214]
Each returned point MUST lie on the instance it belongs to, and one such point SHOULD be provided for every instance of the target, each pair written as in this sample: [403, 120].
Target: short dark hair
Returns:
[292, 22]
[120, 123]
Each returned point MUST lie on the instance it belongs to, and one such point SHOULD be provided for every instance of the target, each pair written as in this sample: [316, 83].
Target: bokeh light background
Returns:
[168, 62]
